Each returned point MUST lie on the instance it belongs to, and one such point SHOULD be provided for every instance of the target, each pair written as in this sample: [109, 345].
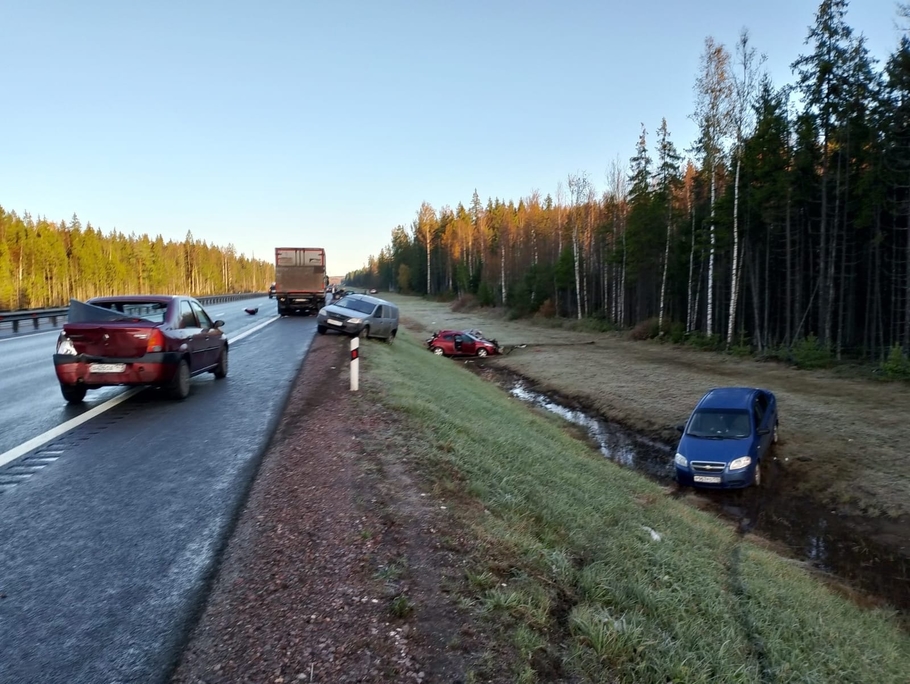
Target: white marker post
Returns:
[355, 364]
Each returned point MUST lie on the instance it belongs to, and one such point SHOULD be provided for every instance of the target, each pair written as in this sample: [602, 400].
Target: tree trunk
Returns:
[709, 327]
[663, 280]
[734, 279]
[789, 294]
[690, 303]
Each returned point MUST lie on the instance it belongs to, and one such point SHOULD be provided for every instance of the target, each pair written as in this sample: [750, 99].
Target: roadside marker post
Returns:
[355, 364]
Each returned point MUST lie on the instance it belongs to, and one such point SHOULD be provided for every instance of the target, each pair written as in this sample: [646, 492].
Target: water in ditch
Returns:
[862, 552]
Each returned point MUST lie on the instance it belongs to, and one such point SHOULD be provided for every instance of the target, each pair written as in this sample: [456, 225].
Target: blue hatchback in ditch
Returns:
[726, 438]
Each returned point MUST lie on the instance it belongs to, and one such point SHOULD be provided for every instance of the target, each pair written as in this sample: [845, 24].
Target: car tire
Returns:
[180, 383]
[321, 329]
[221, 370]
[438, 351]
[756, 475]
[74, 394]
[391, 337]
[365, 333]
[481, 352]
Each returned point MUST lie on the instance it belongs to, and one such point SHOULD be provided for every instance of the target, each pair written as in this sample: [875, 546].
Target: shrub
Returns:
[705, 342]
[645, 330]
[677, 333]
[466, 302]
[897, 365]
[809, 354]
[485, 295]
[547, 309]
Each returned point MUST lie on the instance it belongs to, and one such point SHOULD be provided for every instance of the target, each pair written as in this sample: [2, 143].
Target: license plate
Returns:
[331, 322]
[107, 368]
[707, 479]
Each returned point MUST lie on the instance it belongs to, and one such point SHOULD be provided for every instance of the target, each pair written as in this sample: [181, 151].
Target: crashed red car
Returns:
[138, 340]
[462, 343]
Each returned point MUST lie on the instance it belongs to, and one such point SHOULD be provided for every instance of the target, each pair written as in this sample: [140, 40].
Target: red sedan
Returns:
[138, 340]
[462, 343]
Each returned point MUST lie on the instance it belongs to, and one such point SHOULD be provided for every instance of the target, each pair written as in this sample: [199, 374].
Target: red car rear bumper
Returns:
[151, 369]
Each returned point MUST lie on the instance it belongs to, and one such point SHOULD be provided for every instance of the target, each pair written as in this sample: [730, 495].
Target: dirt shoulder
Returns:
[340, 561]
[844, 440]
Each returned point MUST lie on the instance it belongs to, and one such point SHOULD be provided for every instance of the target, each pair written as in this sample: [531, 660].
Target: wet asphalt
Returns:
[108, 533]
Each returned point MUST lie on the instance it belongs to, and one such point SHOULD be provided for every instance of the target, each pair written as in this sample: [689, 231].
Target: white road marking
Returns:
[19, 337]
[63, 428]
[246, 333]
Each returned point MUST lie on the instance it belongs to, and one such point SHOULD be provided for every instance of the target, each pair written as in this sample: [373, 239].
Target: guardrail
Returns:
[36, 315]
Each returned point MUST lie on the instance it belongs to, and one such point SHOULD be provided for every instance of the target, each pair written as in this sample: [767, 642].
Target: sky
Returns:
[284, 123]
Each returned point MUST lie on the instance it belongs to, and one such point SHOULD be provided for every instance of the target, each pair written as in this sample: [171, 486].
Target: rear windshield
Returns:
[144, 311]
[356, 305]
[720, 424]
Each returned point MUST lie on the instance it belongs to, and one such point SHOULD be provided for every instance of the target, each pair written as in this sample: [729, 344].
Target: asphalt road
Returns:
[109, 531]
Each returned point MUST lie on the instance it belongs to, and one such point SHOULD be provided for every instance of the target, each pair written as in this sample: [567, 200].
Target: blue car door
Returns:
[764, 422]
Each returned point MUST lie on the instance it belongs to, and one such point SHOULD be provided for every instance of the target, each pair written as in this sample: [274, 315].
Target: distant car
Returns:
[272, 291]
[726, 438]
[373, 290]
[462, 343]
[138, 340]
[357, 314]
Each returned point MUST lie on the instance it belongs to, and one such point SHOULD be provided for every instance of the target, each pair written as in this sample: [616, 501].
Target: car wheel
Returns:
[438, 351]
[321, 329]
[180, 384]
[391, 337]
[73, 393]
[756, 475]
[222, 368]
[365, 333]
[481, 352]
[775, 436]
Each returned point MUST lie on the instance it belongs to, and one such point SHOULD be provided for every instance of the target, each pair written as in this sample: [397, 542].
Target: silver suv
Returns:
[363, 315]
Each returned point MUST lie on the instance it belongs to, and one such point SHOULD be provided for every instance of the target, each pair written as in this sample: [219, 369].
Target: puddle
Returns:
[846, 548]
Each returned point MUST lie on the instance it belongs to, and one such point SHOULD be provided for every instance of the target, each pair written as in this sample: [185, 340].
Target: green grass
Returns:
[585, 577]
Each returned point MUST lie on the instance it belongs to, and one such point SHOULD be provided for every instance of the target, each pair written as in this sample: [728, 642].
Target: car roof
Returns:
[160, 299]
[728, 398]
[369, 299]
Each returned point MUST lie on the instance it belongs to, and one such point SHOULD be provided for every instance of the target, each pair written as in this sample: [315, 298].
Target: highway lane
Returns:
[30, 399]
[112, 529]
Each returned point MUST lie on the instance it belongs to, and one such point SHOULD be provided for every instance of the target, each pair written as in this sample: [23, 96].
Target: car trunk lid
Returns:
[117, 340]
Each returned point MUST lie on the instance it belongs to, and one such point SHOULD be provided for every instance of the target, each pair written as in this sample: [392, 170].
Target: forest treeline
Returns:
[44, 264]
[785, 221]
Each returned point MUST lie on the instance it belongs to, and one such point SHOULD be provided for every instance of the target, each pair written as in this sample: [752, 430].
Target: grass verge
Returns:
[595, 564]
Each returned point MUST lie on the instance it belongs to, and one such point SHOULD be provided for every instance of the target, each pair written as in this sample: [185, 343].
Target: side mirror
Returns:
[219, 323]
[681, 427]
[764, 431]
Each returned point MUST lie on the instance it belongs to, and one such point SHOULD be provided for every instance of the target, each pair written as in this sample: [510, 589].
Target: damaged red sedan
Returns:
[462, 343]
[138, 340]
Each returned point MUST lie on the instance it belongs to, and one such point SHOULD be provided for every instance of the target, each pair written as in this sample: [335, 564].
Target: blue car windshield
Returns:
[720, 424]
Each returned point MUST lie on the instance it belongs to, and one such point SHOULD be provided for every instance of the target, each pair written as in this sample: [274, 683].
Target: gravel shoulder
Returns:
[340, 561]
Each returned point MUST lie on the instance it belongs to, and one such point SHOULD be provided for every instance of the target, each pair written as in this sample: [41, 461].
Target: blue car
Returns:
[726, 438]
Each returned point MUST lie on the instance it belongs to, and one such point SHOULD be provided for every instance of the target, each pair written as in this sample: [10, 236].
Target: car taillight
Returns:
[65, 346]
[156, 342]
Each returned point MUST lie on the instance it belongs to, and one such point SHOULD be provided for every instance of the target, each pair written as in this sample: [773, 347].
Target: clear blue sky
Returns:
[295, 123]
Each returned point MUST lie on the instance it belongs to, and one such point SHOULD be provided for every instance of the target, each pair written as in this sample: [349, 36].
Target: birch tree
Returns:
[668, 181]
[744, 86]
[713, 91]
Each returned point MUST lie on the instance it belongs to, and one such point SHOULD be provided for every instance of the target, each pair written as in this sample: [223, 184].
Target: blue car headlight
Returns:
[681, 461]
[740, 463]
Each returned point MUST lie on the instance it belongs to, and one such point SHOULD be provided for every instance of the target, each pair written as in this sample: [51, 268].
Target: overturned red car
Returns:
[462, 343]
[138, 340]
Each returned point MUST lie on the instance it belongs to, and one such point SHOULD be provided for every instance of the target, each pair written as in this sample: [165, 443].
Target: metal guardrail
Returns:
[37, 315]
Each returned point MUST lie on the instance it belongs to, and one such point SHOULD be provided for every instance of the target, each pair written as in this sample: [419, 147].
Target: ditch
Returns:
[868, 554]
